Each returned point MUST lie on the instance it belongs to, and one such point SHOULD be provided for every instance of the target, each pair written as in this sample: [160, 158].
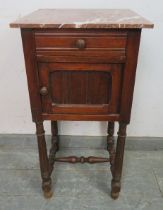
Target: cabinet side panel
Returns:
[129, 74]
[31, 71]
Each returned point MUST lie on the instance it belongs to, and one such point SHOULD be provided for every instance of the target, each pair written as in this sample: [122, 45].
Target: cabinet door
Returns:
[80, 88]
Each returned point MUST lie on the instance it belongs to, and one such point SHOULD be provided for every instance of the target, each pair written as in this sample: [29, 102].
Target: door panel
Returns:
[82, 89]
[69, 87]
[99, 87]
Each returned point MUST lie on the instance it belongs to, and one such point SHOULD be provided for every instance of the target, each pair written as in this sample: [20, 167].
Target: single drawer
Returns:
[80, 41]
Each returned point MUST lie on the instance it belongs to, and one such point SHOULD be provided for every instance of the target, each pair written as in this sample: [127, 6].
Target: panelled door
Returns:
[77, 88]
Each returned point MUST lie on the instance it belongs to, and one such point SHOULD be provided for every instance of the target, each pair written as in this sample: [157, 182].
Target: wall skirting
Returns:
[96, 142]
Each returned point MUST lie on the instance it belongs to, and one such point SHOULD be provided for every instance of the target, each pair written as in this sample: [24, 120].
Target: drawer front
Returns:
[53, 41]
[80, 88]
[81, 46]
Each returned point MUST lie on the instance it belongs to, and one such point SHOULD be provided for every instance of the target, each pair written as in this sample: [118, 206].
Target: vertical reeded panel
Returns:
[99, 87]
[56, 87]
[80, 87]
[77, 87]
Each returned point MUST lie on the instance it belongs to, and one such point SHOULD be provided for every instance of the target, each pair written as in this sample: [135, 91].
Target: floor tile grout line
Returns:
[20, 169]
[41, 195]
[62, 148]
[157, 182]
[6, 148]
[82, 169]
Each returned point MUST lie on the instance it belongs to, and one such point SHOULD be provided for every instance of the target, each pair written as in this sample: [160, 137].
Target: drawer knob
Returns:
[44, 91]
[80, 43]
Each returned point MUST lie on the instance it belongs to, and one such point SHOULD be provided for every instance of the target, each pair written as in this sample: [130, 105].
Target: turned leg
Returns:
[44, 162]
[55, 137]
[110, 144]
[118, 162]
[54, 145]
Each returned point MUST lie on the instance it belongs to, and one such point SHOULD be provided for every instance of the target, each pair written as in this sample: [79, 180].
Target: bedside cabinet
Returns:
[81, 65]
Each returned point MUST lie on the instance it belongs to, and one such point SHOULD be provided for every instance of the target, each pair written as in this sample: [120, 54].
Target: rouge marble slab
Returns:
[81, 18]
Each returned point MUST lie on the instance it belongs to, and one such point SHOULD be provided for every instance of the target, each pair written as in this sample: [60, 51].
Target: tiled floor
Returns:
[80, 186]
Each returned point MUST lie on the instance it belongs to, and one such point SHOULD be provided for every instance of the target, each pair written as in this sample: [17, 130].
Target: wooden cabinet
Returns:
[81, 65]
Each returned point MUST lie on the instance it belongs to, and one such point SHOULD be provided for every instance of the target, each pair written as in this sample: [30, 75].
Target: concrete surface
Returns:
[80, 186]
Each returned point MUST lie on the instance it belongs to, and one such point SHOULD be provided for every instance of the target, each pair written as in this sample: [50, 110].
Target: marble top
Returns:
[81, 18]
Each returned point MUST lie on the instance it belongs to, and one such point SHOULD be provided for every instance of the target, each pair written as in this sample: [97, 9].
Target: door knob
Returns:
[44, 91]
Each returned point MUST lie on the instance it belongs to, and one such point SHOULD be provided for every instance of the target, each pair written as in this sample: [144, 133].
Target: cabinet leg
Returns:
[55, 137]
[44, 162]
[110, 144]
[118, 163]
[54, 144]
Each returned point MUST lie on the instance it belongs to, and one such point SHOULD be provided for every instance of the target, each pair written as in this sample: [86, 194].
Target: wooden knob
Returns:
[80, 43]
[44, 91]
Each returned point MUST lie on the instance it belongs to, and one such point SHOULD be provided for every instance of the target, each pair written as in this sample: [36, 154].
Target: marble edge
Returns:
[74, 26]
[20, 24]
